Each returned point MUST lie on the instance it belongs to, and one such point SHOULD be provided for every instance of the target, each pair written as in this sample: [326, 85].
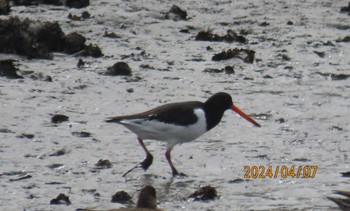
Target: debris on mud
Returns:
[103, 164]
[204, 193]
[176, 13]
[244, 54]
[82, 134]
[77, 3]
[84, 15]
[121, 197]
[345, 174]
[59, 118]
[345, 9]
[335, 77]
[228, 70]
[36, 39]
[119, 68]
[111, 35]
[27, 176]
[61, 199]
[8, 69]
[91, 50]
[5, 8]
[345, 39]
[230, 36]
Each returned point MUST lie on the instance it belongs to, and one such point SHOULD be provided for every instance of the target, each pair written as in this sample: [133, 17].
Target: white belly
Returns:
[172, 134]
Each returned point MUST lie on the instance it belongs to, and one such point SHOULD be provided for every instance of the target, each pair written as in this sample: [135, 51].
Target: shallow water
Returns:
[304, 113]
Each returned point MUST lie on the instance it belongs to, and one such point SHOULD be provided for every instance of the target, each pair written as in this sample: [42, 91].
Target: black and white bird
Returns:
[177, 123]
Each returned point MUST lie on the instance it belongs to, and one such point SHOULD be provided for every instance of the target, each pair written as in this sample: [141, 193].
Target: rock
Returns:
[30, 38]
[121, 197]
[77, 3]
[84, 15]
[74, 42]
[231, 36]
[59, 118]
[61, 199]
[81, 63]
[103, 164]
[345, 9]
[8, 69]
[176, 13]
[82, 134]
[119, 68]
[204, 193]
[228, 70]
[244, 54]
[36, 39]
[92, 50]
[4, 7]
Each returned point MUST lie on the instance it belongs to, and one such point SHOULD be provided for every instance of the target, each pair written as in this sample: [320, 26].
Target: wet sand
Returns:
[297, 88]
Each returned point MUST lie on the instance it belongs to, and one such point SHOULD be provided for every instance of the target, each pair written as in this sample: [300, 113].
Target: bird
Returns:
[343, 203]
[177, 123]
[147, 201]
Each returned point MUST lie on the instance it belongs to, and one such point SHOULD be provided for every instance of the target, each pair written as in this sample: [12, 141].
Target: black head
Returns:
[215, 107]
[220, 101]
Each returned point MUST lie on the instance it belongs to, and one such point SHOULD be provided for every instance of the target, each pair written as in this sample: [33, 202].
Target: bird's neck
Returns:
[213, 116]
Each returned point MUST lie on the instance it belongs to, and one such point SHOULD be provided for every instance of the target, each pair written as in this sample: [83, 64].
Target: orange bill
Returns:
[245, 116]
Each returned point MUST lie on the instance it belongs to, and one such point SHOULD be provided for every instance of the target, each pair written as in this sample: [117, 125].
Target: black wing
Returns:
[174, 113]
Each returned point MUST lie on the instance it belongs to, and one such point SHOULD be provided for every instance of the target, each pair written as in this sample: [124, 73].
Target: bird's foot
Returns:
[147, 162]
[177, 174]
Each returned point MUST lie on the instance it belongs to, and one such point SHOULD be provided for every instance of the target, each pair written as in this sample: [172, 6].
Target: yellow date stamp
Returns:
[262, 172]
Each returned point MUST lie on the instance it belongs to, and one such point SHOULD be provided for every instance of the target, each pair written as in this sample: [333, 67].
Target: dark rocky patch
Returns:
[41, 77]
[8, 69]
[92, 50]
[77, 3]
[61, 199]
[301, 160]
[82, 134]
[176, 13]
[228, 70]
[346, 174]
[58, 153]
[345, 9]
[84, 15]
[280, 120]
[36, 2]
[55, 166]
[5, 8]
[345, 39]
[121, 197]
[204, 193]
[26, 135]
[334, 76]
[36, 39]
[81, 63]
[28, 176]
[103, 164]
[73, 43]
[237, 181]
[111, 35]
[320, 54]
[244, 54]
[230, 36]
[119, 68]
[59, 118]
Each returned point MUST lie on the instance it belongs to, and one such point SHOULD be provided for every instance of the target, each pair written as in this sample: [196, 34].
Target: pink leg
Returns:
[168, 157]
